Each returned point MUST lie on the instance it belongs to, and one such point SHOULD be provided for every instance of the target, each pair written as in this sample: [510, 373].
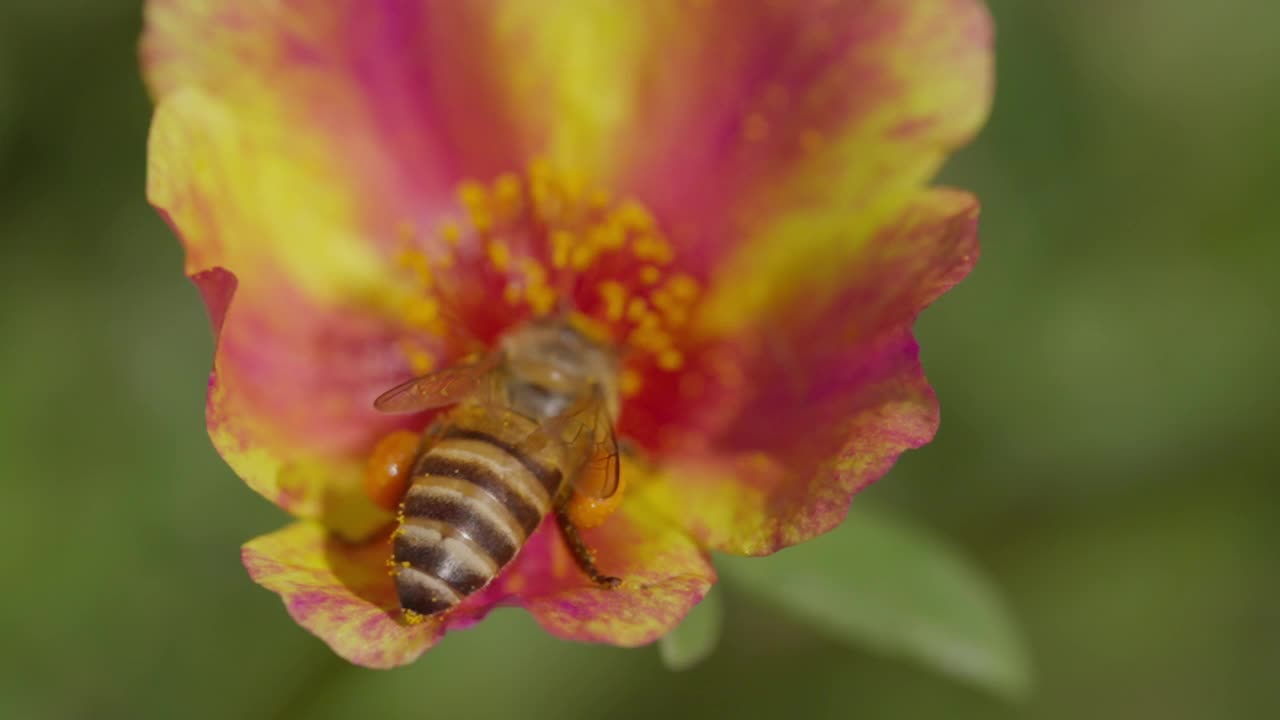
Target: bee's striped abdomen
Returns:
[473, 502]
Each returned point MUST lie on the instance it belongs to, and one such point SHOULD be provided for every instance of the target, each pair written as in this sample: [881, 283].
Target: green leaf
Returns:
[697, 636]
[880, 583]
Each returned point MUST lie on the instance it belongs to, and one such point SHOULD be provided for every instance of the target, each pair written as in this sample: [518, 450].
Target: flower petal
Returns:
[339, 592]
[835, 393]
[290, 400]
[758, 131]
[311, 336]
[342, 593]
[663, 570]
[398, 94]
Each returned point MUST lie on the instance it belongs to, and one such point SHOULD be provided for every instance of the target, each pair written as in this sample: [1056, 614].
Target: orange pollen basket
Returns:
[389, 466]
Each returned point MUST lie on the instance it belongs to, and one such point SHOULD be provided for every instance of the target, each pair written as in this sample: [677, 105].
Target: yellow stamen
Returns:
[630, 382]
[450, 231]
[561, 246]
[422, 312]
[590, 327]
[541, 299]
[683, 287]
[652, 247]
[499, 254]
[533, 270]
[615, 298]
[473, 196]
[609, 236]
[670, 359]
[581, 257]
[508, 196]
[634, 216]
[548, 232]
[637, 309]
[421, 361]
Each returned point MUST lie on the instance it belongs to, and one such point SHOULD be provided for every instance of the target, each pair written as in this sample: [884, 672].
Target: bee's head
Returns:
[557, 362]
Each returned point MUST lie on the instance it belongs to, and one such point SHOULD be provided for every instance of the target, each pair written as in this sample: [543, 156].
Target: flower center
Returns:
[547, 242]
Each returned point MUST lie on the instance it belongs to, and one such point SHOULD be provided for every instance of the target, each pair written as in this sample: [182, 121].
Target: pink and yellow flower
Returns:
[737, 192]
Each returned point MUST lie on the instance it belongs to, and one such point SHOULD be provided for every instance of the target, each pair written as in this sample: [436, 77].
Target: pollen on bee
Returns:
[413, 618]
[589, 512]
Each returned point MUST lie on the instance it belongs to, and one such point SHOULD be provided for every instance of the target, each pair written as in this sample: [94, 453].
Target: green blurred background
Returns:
[1106, 456]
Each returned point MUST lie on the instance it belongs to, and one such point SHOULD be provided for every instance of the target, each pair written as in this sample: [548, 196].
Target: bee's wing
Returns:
[598, 477]
[593, 456]
[440, 388]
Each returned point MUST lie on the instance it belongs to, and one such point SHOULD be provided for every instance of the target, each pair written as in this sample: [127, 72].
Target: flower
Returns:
[736, 191]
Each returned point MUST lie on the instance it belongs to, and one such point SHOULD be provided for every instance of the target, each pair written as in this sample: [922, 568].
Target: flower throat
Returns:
[547, 242]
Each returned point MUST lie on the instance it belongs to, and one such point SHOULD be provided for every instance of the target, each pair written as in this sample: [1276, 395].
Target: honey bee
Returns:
[531, 427]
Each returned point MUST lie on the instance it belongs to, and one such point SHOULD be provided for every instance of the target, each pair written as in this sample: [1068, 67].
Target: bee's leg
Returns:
[581, 553]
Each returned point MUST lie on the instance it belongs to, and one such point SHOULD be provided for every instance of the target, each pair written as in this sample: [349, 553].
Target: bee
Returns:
[530, 428]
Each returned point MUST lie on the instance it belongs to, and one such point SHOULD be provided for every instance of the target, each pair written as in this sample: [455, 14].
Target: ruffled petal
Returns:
[401, 95]
[342, 592]
[818, 397]
[663, 570]
[290, 400]
[764, 124]
[339, 592]
[729, 120]
[308, 314]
